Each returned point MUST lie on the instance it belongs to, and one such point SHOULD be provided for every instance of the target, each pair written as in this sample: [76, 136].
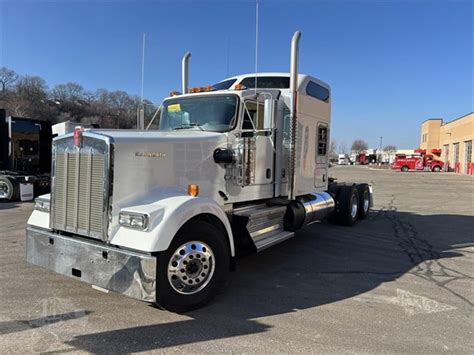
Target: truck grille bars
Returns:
[80, 186]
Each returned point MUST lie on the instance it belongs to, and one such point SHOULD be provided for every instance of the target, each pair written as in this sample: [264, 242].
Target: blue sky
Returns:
[391, 64]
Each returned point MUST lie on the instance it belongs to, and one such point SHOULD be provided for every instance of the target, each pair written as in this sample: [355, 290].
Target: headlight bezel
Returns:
[134, 220]
[42, 205]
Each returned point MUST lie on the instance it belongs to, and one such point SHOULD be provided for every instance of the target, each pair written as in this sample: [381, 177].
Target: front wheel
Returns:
[193, 269]
[437, 169]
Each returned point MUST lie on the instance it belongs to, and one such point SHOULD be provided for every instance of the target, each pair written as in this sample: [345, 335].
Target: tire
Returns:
[9, 189]
[347, 206]
[364, 200]
[437, 169]
[404, 168]
[189, 278]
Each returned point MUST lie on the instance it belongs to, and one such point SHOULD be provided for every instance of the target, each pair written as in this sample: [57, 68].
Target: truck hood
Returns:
[148, 163]
[184, 134]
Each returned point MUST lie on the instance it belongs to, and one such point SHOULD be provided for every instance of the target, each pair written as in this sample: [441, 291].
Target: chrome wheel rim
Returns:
[354, 206]
[191, 267]
[3, 190]
[366, 202]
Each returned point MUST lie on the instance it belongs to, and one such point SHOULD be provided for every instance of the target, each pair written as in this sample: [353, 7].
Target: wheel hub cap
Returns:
[3, 190]
[366, 202]
[354, 207]
[191, 267]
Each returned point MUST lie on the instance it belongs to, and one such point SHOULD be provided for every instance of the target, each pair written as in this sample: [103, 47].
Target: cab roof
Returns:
[302, 79]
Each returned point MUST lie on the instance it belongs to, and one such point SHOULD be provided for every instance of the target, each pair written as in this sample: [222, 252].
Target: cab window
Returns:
[253, 115]
[317, 91]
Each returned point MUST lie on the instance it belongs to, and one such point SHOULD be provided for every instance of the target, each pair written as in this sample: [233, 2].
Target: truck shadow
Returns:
[322, 265]
[9, 205]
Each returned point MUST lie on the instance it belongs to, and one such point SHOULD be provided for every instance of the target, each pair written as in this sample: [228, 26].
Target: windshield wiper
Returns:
[190, 125]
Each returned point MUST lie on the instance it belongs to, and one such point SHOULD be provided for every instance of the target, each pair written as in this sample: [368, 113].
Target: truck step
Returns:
[271, 238]
[262, 218]
[265, 224]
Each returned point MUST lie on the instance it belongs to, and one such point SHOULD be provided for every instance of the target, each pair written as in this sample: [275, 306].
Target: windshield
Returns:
[217, 113]
[224, 85]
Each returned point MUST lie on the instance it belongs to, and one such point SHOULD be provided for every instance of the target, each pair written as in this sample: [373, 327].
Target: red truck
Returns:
[421, 161]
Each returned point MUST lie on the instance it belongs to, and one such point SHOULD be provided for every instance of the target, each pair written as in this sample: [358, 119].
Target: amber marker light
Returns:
[193, 190]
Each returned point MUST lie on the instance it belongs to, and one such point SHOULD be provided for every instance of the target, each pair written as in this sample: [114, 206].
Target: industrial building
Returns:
[450, 141]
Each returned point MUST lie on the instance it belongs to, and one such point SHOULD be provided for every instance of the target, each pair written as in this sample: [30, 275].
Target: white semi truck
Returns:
[161, 215]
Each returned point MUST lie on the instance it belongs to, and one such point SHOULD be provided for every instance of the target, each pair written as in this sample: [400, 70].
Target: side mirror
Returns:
[269, 114]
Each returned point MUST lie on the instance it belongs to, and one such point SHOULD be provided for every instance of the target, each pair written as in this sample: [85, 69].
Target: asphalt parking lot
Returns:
[401, 281]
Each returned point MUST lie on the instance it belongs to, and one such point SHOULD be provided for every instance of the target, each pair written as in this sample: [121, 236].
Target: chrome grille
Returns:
[80, 190]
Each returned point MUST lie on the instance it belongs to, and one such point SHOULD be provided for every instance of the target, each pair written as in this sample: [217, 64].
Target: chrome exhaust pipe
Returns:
[185, 72]
[293, 88]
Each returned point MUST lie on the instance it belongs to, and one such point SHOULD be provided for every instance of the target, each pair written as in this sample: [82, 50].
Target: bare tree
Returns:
[68, 92]
[8, 77]
[390, 149]
[359, 146]
[32, 88]
[342, 148]
[29, 96]
[333, 150]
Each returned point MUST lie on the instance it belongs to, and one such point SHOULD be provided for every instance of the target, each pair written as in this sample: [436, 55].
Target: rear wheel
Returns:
[347, 208]
[364, 200]
[437, 169]
[9, 189]
[193, 269]
[404, 168]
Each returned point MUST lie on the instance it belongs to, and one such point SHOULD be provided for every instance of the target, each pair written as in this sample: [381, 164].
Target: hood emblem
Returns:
[150, 154]
[78, 137]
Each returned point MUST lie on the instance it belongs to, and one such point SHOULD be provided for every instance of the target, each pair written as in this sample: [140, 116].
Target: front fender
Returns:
[167, 216]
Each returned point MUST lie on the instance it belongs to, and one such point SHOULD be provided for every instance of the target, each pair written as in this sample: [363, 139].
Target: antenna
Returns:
[143, 62]
[141, 106]
[256, 47]
[228, 52]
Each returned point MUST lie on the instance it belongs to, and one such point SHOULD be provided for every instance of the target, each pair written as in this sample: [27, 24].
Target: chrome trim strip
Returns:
[66, 182]
[90, 192]
[265, 230]
[76, 187]
[51, 199]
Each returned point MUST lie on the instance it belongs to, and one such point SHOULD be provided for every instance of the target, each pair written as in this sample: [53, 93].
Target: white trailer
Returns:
[161, 215]
[343, 159]
[61, 128]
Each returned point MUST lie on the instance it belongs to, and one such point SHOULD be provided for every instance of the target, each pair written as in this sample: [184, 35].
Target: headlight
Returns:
[134, 220]
[42, 205]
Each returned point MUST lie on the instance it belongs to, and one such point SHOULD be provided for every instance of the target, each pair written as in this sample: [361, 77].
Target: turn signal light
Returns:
[193, 190]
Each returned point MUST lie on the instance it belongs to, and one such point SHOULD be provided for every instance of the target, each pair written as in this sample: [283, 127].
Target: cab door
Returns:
[253, 130]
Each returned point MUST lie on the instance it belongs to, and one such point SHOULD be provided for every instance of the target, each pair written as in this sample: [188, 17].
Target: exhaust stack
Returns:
[185, 72]
[293, 87]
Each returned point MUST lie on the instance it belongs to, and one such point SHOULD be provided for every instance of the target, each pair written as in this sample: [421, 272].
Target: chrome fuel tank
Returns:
[317, 206]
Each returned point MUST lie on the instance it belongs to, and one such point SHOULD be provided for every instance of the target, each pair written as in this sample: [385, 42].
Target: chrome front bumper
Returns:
[129, 273]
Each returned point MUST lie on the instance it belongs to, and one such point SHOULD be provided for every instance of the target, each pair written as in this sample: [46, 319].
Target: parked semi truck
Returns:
[25, 157]
[161, 216]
